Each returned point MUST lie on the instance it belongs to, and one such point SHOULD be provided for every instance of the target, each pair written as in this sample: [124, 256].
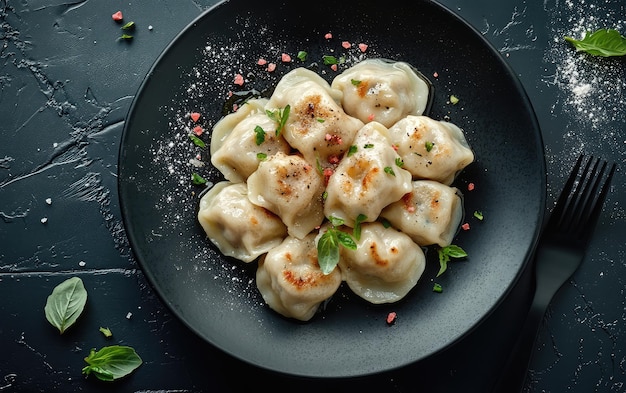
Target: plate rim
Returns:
[132, 234]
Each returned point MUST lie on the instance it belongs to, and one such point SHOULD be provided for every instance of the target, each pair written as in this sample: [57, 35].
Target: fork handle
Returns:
[513, 374]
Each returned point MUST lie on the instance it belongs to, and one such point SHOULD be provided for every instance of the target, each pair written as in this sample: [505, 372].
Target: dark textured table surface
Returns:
[66, 85]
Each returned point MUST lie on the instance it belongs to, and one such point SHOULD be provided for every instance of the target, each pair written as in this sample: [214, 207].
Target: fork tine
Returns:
[593, 208]
[583, 196]
[557, 213]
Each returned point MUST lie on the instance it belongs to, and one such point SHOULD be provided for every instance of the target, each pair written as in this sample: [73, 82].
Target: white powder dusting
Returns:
[175, 156]
[593, 86]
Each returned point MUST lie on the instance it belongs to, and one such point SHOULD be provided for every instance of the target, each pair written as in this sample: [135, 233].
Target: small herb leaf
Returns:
[197, 141]
[328, 251]
[66, 303]
[112, 362]
[346, 240]
[356, 232]
[602, 42]
[447, 252]
[106, 332]
[197, 179]
[259, 135]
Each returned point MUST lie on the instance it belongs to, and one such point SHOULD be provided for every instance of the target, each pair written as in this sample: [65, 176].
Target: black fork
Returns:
[560, 251]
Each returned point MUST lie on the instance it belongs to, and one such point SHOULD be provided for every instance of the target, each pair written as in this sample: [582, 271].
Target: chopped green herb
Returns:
[602, 42]
[352, 150]
[399, 162]
[478, 214]
[437, 288]
[428, 146]
[197, 141]
[111, 363]
[280, 116]
[302, 55]
[106, 331]
[128, 26]
[368, 145]
[126, 37]
[454, 100]
[197, 179]
[320, 120]
[259, 135]
[356, 232]
[261, 156]
[325, 195]
[319, 167]
[330, 60]
[355, 82]
[389, 170]
[447, 252]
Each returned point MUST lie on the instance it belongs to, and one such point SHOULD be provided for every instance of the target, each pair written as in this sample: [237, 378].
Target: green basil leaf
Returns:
[356, 232]
[112, 362]
[447, 252]
[454, 251]
[443, 262]
[336, 221]
[602, 42]
[66, 303]
[328, 251]
[346, 240]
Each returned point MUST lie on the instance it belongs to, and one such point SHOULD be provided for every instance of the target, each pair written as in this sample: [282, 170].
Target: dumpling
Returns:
[225, 125]
[316, 126]
[431, 149]
[383, 91]
[386, 265]
[292, 188]
[429, 214]
[237, 227]
[238, 156]
[367, 179]
[290, 280]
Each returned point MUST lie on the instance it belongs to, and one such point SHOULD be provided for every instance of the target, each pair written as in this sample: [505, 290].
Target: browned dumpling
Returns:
[237, 227]
[292, 188]
[386, 265]
[290, 280]
[368, 179]
[317, 125]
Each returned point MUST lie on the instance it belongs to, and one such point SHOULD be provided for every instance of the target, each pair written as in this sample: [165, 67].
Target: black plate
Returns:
[217, 297]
